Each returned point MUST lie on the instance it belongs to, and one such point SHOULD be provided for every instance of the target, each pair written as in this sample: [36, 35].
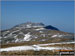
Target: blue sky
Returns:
[58, 14]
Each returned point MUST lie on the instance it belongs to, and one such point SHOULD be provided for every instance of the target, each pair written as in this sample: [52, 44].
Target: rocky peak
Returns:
[30, 25]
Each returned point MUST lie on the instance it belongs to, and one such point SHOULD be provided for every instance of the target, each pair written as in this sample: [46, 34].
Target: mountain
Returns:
[34, 32]
[35, 39]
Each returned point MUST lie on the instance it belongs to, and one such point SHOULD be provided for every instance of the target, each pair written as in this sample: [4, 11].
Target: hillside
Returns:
[35, 36]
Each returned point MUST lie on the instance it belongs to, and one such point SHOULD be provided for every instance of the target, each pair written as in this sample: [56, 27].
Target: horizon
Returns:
[58, 14]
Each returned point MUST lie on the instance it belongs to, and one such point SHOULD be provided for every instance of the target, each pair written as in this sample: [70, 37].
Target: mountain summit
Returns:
[35, 25]
[30, 25]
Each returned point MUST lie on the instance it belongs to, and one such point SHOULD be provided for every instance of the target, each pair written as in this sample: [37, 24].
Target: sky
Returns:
[59, 14]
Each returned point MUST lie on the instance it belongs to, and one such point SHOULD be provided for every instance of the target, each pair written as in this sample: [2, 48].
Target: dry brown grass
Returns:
[24, 43]
[18, 44]
[36, 42]
[30, 52]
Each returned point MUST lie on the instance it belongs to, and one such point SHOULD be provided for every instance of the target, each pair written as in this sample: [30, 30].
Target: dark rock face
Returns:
[51, 27]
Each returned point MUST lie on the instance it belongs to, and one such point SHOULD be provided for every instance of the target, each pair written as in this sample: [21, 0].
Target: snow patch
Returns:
[43, 40]
[54, 35]
[56, 43]
[16, 40]
[57, 35]
[29, 26]
[36, 37]
[39, 29]
[34, 47]
[17, 48]
[27, 37]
